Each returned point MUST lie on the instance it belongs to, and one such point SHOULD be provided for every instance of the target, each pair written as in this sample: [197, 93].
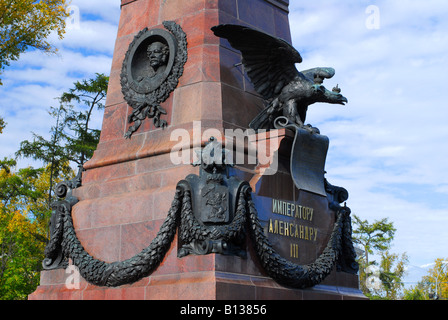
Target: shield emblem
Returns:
[215, 204]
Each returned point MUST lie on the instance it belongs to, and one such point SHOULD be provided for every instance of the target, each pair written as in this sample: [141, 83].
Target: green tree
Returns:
[22, 238]
[51, 152]
[392, 271]
[437, 279]
[27, 24]
[25, 194]
[375, 236]
[24, 218]
[416, 293]
[434, 285]
[89, 95]
[371, 237]
[72, 138]
[2, 125]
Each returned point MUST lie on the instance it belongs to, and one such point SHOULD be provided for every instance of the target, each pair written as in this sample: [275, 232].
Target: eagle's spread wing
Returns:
[269, 61]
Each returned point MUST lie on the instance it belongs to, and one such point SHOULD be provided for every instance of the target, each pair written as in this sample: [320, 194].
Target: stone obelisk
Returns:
[128, 185]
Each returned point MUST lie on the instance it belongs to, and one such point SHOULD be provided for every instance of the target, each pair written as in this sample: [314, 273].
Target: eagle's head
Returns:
[321, 94]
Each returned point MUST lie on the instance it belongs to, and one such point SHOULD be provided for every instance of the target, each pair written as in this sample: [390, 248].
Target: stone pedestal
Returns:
[129, 184]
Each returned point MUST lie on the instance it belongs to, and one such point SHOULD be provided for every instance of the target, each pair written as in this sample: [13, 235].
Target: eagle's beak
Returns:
[339, 97]
[335, 98]
[343, 100]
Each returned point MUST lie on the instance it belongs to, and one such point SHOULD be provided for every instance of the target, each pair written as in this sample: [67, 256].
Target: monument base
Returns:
[200, 285]
[129, 184]
[118, 234]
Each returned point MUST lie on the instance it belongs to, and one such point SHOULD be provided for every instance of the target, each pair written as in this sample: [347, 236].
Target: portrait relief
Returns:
[151, 70]
[157, 55]
[152, 61]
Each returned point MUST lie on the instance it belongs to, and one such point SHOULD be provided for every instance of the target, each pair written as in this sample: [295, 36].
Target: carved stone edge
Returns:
[282, 4]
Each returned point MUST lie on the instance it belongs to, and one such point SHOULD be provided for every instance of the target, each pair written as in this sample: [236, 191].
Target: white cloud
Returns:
[389, 145]
[107, 10]
[32, 83]
[98, 36]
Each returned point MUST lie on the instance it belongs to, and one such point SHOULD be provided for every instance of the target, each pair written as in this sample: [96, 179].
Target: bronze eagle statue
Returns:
[270, 66]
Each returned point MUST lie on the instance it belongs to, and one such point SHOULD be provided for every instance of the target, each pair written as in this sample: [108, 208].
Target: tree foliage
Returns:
[437, 279]
[386, 282]
[90, 94]
[375, 236]
[392, 271]
[415, 293]
[2, 125]
[26, 194]
[24, 218]
[72, 138]
[27, 24]
[434, 285]
[22, 235]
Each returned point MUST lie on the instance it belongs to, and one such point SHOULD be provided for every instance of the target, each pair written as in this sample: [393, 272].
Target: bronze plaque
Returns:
[299, 229]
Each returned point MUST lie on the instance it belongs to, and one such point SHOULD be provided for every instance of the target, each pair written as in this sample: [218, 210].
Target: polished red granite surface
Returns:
[128, 185]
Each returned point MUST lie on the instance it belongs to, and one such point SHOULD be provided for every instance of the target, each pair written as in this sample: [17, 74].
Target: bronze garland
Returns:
[64, 244]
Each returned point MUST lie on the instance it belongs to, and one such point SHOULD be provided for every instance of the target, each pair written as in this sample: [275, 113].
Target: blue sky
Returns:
[388, 145]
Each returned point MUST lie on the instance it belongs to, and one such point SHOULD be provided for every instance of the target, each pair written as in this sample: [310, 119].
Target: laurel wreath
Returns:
[148, 105]
[64, 242]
